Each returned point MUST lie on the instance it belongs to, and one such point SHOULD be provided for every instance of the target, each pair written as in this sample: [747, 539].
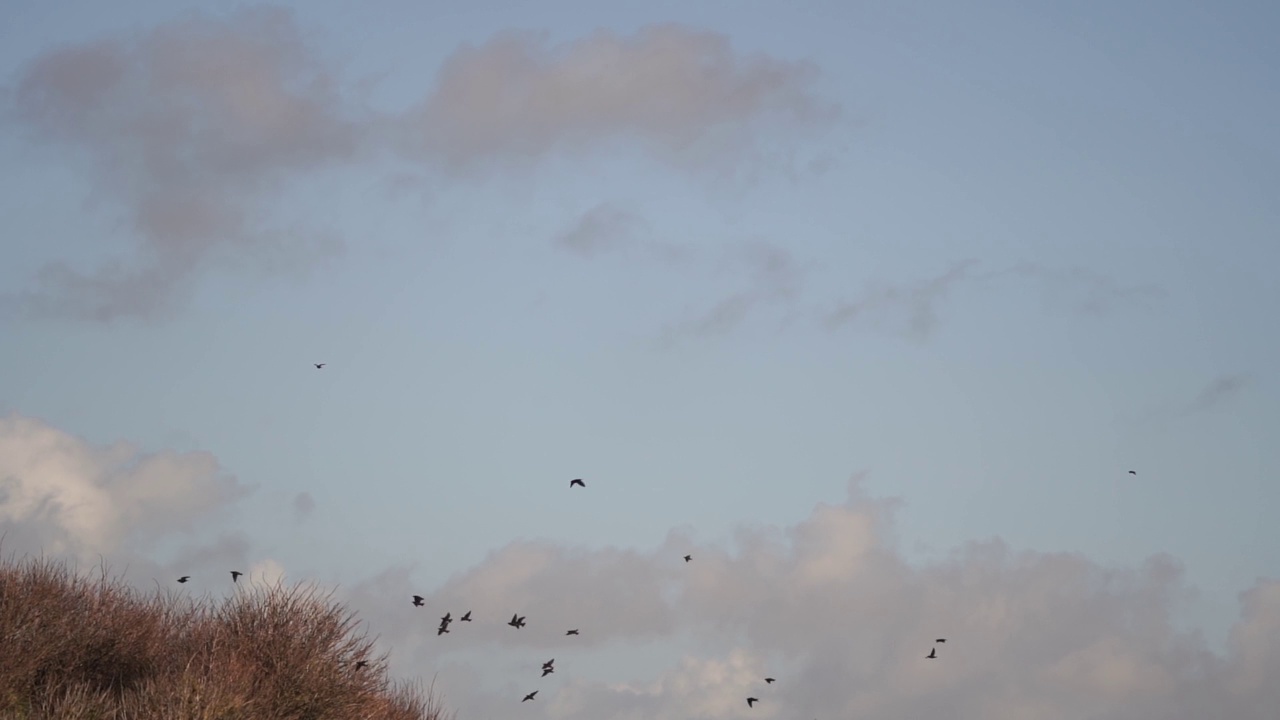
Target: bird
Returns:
[516, 622]
[1132, 472]
[444, 628]
[361, 663]
[547, 671]
[529, 696]
[572, 632]
[448, 618]
[417, 600]
[466, 617]
[751, 702]
[770, 680]
[578, 482]
[235, 575]
[319, 365]
[687, 558]
[548, 663]
[941, 640]
[933, 654]
[184, 578]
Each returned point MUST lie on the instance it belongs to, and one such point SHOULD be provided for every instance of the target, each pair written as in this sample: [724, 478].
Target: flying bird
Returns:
[235, 575]
[448, 618]
[770, 680]
[572, 632]
[319, 365]
[417, 600]
[751, 702]
[184, 578]
[444, 628]
[547, 671]
[548, 663]
[687, 558]
[466, 617]
[933, 654]
[529, 696]
[516, 622]
[1131, 472]
[941, 640]
[578, 482]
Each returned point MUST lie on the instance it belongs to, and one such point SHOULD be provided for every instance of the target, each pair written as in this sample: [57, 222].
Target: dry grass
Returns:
[76, 648]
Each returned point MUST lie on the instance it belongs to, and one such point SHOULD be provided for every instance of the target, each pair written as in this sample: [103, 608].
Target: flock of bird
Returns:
[517, 620]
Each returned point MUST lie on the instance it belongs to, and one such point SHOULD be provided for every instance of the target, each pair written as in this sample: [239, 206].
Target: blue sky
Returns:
[1113, 171]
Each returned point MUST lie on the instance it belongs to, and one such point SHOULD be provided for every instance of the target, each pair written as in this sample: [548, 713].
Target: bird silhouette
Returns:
[1131, 472]
[184, 578]
[933, 654]
[448, 618]
[529, 696]
[319, 365]
[548, 663]
[687, 558]
[751, 702]
[578, 482]
[941, 640]
[235, 575]
[770, 680]
[516, 622]
[466, 617]
[417, 600]
[547, 671]
[444, 628]
[572, 632]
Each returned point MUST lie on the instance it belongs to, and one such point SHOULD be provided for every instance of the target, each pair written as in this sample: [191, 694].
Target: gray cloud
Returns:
[917, 303]
[303, 505]
[688, 94]
[606, 229]
[1221, 390]
[831, 608]
[190, 128]
[773, 278]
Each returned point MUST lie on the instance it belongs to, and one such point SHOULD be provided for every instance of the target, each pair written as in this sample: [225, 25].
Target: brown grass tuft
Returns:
[73, 647]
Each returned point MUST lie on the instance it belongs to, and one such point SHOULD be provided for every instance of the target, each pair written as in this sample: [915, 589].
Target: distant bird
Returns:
[466, 617]
[933, 654]
[448, 618]
[319, 365]
[548, 663]
[578, 482]
[516, 622]
[770, 680]
[529, 696]
[361, 663]
[444, 628]
[751, 702]
[184, 578]
[235, 575]
[572, 632]
[1131, 472]
[417, 600]
[547, 671]
[941, 640]
[687, 558]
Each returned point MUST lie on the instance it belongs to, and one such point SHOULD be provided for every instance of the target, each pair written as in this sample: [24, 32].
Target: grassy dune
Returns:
[75, 647]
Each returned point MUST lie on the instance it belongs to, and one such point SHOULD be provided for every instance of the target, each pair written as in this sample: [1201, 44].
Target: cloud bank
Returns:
[831, 608]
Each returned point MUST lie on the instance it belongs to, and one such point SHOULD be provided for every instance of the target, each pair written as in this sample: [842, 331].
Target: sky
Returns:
[870, 307]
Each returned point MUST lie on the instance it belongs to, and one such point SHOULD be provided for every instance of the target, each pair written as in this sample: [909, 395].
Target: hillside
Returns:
[73, 646]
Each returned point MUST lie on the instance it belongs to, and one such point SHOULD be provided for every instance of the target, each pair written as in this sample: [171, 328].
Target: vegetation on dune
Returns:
[74, 647]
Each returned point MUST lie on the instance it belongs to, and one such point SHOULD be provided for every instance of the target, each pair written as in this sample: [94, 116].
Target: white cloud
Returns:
[65, 496]
[830, 608]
